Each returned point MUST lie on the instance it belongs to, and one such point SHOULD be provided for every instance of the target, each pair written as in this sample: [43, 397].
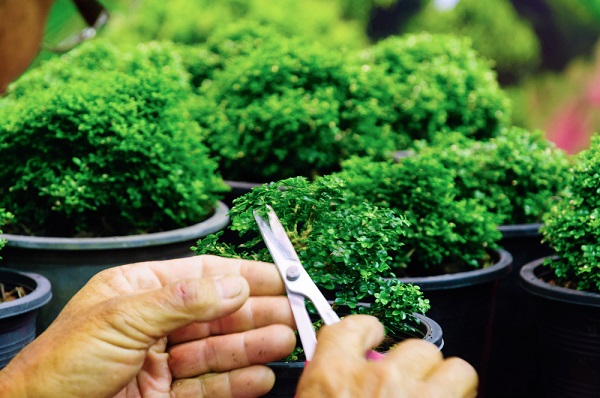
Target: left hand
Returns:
[199, 326]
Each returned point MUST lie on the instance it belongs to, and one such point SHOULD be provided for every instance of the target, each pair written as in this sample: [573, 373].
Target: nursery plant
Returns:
[346, 249]
[291, 108]
[192, 22]
[487, 25]
[517, 175]
[439, 84]
[446, 233]
[571, 226]
[108, 149]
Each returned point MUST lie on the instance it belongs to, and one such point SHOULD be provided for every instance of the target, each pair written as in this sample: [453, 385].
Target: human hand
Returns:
[176, 328]
[413, 368]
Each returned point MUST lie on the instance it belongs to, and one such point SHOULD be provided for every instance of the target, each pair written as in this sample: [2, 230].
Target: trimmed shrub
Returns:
[572, 226]
[109, 153]
[447, 234]
[344, 248]
[440, 84]
[517, 175]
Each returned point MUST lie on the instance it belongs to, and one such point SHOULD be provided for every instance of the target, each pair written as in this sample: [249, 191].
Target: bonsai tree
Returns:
[571, 226]
[517, 175]
[345, 248]
[487, 25]
[105, 149]
[446, 233]
[439, 84]
[291, 108]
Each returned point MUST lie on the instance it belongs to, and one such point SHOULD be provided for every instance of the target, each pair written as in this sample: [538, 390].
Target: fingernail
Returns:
[229, 286]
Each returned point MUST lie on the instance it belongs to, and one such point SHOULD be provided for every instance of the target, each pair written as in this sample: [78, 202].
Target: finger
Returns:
[253, 381]
[148, 316]
[352, 337]
[453, 378]
[256, 312]
[232, 351]
[263, 278]
[415, 358]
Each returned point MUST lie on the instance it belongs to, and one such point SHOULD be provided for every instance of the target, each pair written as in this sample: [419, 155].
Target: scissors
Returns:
[298, 284]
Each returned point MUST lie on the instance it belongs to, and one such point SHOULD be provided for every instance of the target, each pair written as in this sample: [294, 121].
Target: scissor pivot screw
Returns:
[292, 273]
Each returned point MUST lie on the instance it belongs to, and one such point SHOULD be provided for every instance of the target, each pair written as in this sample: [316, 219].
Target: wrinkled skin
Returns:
[199, 326]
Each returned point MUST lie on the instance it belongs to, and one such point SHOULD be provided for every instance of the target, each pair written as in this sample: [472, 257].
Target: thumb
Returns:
[148, 316]
[352, 338]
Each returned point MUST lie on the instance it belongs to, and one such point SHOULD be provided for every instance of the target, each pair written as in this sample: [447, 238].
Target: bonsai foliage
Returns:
[572, 225]
[346, 249]
[488, 25]
[192, 22]
[109, 153]
[277, 112]
[5, 218]
[446, 233]
[517, 175]
[440, 84]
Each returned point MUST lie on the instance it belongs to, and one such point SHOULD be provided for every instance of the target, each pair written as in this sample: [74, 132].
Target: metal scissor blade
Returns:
[304, 325]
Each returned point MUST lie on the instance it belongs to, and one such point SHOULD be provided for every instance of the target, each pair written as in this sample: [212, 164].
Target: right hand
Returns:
[413, 368]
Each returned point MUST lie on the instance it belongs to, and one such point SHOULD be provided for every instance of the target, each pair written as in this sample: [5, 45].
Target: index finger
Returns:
[263, 278]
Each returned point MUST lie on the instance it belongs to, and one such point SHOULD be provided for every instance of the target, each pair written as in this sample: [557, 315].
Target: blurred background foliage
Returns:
[544, 51]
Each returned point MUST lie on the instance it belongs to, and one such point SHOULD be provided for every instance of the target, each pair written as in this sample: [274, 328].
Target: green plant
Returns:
[109, 153]
[290, 108]
[345, 248]
[440, 84]
[5, 218]
[192, 22]
[446, 234]
[517, 175]
[571, 227]
[488, 25]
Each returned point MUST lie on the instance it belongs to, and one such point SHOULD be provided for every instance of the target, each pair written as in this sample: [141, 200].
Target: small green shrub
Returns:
[489, 25]
[572, 226]
[192, 22]
[517, 175]
[109, 153]
[440, 84]
[289, 108]
[223, 46]
[446, 234]
[344, 248]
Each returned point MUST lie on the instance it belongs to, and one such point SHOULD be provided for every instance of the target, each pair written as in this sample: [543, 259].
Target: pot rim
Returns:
[214, 223]
[531, 274]
[468, 278]
[40, 294]
[520, 230]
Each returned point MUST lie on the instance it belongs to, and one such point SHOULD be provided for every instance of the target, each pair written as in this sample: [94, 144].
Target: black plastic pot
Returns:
[18, 317]
[464, 305]
[69, 263]
[568, 335]
[287, 374]
[514, 329]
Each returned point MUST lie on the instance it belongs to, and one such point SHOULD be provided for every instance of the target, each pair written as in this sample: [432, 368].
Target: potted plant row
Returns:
[346, 248]
[518, 175]
[101, 166]
[565, 287]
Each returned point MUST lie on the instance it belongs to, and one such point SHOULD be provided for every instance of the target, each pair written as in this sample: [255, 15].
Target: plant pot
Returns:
[514, 329]
[70, 262]
[287, 374]
[18, 317]
[568, 335]
[464, 305]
